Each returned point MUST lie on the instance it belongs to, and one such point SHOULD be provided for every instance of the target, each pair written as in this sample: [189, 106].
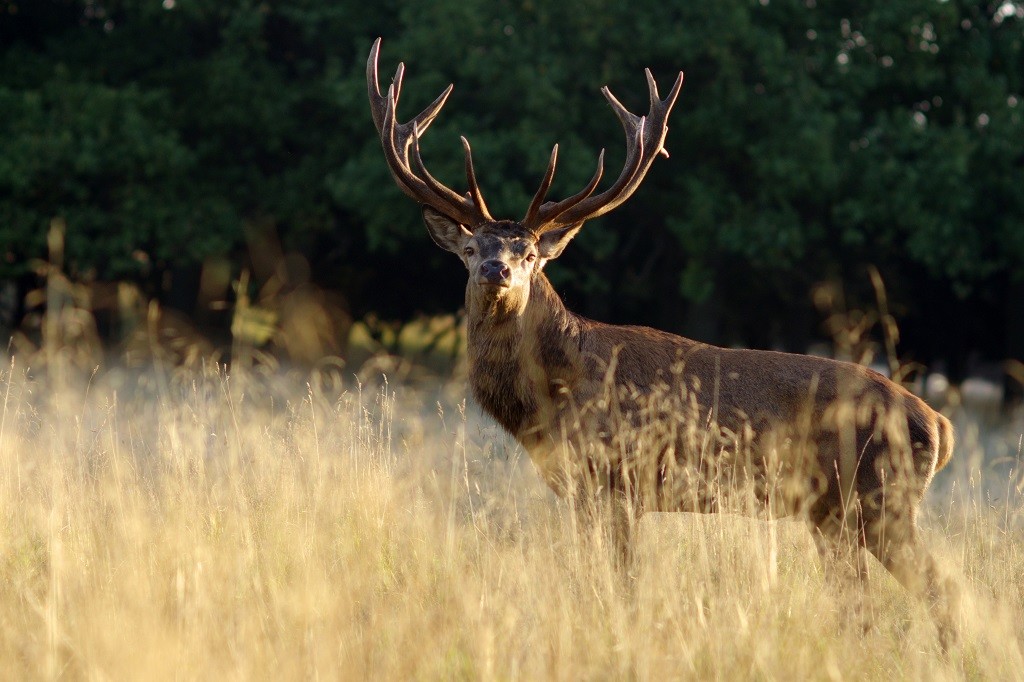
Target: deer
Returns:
[647, 421]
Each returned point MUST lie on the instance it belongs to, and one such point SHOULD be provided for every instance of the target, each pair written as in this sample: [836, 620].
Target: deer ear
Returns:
[551, 244]
[446, 233]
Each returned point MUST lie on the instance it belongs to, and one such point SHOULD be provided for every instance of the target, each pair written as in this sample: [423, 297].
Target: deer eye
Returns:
[468, 251]
[531, 257]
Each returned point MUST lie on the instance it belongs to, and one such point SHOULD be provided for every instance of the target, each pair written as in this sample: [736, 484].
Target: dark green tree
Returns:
[812, 140]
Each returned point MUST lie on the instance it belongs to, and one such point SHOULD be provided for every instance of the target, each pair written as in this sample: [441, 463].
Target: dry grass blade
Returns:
[200, 527]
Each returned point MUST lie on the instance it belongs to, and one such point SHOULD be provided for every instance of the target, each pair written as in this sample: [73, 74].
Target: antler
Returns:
[398, 138]
[645, 137]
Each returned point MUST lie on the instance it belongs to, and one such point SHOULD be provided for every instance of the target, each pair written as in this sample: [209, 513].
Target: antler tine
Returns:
[474, 188]
[663, 108]
[435, 185]
[427, 116]
[645, 137]
[542, 191]
[652, 88]
[628, 119]
[377, 103]
[547, 217]
[398, 138]
[396, 84]
[397, 162]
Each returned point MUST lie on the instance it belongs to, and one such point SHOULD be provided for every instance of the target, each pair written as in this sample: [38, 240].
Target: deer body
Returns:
[650, 421]
[537, 373]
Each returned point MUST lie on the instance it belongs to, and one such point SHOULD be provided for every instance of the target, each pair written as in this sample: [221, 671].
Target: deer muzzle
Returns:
[495, 272]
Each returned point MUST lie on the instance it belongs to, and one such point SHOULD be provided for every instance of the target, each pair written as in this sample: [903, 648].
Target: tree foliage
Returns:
[812, 139]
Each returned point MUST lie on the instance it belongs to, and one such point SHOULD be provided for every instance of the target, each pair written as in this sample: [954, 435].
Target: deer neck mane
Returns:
[519, 354]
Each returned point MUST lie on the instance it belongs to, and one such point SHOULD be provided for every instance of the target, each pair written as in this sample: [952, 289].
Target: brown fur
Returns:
[532, 372]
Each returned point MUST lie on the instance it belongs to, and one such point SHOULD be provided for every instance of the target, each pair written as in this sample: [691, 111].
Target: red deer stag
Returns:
[648, 421]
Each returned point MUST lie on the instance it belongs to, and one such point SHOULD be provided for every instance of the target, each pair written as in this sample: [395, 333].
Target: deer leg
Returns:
[607, 521]
[837, 531]
[841, 551]
[625, 514]
[844, 560]
[894, 540]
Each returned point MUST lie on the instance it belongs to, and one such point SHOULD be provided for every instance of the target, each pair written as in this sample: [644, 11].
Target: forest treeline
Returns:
[813, 142]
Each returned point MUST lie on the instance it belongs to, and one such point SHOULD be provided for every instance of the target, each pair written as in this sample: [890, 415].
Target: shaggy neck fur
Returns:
[523, 348]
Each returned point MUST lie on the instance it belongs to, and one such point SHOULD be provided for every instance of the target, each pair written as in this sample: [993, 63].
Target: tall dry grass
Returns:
[171, 525]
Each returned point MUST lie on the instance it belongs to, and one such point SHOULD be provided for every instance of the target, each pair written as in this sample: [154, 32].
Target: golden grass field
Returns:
[171, 525]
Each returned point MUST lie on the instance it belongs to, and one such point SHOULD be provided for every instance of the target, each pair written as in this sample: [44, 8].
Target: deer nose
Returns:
[494, 272]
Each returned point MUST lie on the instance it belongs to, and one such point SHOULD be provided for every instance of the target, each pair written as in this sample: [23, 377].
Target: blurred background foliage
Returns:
[182, 143]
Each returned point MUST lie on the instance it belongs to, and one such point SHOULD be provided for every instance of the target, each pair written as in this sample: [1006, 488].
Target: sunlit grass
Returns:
[200, 526]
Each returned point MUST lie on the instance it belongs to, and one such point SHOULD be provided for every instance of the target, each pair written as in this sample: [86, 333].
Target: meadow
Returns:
[172, 524]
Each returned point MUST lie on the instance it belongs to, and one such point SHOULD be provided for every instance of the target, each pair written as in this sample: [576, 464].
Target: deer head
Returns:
[503, 256]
